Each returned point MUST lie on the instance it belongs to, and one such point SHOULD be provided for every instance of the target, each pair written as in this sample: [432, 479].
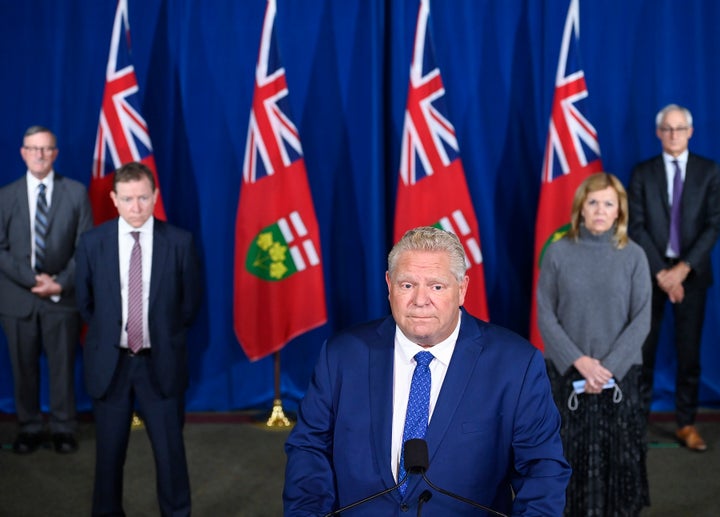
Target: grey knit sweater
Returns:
[594, 299]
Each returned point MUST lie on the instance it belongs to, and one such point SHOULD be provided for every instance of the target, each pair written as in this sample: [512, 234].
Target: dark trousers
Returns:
[54, 330]
[164, 418]
[689, 316]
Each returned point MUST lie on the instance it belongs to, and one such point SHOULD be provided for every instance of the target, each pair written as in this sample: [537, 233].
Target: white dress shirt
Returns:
[404, 366]
[125, 245]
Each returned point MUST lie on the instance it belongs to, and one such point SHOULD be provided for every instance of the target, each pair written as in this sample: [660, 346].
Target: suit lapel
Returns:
[691, 186]
[159, 258]
[381, 397]
[21, 198]
[662, 185]
[111, 258]
[465, 356]
[56, 203]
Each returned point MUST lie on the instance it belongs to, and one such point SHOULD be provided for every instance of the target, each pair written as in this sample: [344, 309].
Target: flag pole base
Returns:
[277, 417]
[137, 422]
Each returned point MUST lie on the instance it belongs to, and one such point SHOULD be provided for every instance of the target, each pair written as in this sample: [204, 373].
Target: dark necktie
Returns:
[418, 409]
[41, 228]
[135, 297]
[676, 210]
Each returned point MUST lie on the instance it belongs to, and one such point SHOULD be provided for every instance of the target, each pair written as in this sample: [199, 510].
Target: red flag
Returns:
[279, 287]
[432, 190]
[572, 153]
[122, 134]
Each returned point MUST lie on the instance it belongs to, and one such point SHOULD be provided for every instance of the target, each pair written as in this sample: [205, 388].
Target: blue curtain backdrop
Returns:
[347, 68]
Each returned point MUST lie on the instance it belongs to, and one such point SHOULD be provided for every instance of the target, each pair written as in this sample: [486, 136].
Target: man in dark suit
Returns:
[674, 202]
[42, 216]
[138, 286]
[488, 416]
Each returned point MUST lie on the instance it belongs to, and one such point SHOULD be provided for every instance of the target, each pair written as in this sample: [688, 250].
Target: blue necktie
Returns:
[675, 210]
[418, 409]
[41, 228]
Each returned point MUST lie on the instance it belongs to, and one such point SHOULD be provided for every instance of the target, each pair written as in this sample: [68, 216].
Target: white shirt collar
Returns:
[34, 183]
[442, 351]
[125, 227]
[681, 158]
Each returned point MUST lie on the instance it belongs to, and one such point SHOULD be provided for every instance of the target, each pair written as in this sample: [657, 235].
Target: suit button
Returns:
[404, 507]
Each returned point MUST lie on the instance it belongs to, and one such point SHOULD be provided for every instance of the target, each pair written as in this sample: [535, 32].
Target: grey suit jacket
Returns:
[650, 213]
[70, 215]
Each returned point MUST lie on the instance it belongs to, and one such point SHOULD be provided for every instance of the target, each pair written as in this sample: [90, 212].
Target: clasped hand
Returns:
[595, 374]
[45, 286]
[670, 280]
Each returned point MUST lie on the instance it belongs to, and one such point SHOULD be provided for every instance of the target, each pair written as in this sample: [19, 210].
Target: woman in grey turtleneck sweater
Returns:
[593, 298]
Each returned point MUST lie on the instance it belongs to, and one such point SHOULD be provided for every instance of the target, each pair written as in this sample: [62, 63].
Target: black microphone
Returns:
[417, 449]
[416, 462]
[416, 456]
[424, 498]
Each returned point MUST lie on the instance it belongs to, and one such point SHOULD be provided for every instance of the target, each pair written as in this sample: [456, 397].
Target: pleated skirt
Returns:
[605, 441]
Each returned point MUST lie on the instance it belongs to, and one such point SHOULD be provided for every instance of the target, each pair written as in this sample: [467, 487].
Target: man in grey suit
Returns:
[42, 215]
[674, 201]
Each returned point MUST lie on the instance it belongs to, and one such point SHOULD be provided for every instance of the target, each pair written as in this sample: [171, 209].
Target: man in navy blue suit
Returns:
[493, 428]
[145, 363]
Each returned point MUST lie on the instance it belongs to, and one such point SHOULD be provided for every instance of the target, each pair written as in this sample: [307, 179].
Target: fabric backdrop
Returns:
[347, 65]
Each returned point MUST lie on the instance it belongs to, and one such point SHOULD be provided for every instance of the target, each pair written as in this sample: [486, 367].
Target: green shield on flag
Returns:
[269, 256]
[555, 236]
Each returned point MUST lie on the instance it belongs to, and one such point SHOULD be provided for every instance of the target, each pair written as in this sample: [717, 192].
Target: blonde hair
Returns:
[593, 183]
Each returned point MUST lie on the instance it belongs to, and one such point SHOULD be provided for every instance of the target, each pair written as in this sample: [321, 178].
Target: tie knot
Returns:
[424, 358]
[42, 188]
[135, 235]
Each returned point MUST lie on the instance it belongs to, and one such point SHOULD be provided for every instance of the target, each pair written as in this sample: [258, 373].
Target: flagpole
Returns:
[277, 417]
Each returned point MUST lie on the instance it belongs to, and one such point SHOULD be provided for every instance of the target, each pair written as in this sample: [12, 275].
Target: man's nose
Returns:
[421, 295]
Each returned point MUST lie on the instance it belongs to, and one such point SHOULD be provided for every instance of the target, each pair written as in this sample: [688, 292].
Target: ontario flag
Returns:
[572, 153]
[122, 134]
[432, 190]
[279, 287]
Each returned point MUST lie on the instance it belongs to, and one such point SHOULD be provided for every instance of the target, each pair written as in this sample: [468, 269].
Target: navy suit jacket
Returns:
[494, 430]
[173, 303]
[650, 213]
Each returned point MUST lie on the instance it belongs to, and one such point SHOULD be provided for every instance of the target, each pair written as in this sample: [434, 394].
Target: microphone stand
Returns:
[416, 449]
[368, 498]
[460, 498]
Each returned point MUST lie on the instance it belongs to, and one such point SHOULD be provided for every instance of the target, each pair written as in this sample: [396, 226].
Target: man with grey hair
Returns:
[674, 201]
[476, 394]
[42, 215]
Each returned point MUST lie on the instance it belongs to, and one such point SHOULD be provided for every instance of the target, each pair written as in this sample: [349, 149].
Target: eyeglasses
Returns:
[33, 149]
[671, 130]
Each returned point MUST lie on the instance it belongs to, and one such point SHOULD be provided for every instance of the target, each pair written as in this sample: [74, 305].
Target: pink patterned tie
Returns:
[135, 297]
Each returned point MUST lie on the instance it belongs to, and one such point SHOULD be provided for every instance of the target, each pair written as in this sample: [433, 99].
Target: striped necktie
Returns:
[41, 228]
[135, 297]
